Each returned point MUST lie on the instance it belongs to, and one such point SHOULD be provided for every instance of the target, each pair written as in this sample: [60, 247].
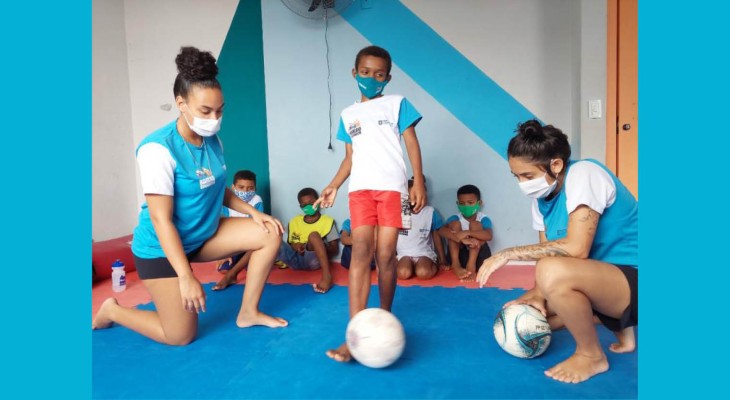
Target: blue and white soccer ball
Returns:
[522, 331]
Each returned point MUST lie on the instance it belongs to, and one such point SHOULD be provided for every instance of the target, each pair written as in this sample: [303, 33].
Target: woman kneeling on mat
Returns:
[586, 271]
[183, 175]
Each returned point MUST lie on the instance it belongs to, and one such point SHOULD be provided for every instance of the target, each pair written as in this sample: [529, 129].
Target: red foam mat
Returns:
[509, 277]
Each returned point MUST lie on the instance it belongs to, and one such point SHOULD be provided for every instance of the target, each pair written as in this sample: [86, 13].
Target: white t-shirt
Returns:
[586, 183]
[417, 241]
[374, 129]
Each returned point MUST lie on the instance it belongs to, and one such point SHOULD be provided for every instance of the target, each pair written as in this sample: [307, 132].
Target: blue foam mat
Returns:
[450, 353]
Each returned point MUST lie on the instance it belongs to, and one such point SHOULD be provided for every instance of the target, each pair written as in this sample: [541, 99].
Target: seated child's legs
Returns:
[457, 258]
[316, 245]
[484, 253]
[405, 267]
[346, 258]
[307, 261]
[426, 267]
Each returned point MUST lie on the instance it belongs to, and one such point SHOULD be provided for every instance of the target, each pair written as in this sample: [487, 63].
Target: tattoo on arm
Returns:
[536, 251]
[592, 218]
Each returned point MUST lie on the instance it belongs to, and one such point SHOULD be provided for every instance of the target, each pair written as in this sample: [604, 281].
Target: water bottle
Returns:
[119, 277]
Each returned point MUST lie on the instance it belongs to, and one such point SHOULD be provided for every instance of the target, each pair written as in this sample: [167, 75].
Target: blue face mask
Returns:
[245, 196]
[370, 87]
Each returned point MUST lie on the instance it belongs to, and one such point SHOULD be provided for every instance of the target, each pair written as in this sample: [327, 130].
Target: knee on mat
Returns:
[405, 272]
[181, 339]
[424, 272]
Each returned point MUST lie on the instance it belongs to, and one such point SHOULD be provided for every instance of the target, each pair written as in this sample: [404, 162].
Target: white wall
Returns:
[594, 20]
[523, 45]
[534, 49]
[134, 47]
[155, 32]
[114, 205]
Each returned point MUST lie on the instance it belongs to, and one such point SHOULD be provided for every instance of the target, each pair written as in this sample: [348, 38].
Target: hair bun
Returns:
[532, 129]
[195, 65]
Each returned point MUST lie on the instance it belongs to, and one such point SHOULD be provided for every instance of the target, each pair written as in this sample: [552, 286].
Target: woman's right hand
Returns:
[192, 293]
[531, 300]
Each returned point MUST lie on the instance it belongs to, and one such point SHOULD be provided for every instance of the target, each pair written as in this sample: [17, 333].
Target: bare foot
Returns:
[460, 273]
[340, 354]
[324, 285]
[247, 320]
[102, 320]
[626, 341]
[472, 270]
[578, 368]
[224, 283]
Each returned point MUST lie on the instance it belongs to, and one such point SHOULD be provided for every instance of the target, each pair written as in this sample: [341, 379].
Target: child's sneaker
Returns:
[281, 264]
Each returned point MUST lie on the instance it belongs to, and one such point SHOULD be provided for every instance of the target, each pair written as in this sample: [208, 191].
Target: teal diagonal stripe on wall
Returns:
[454, 81]
[241, 74]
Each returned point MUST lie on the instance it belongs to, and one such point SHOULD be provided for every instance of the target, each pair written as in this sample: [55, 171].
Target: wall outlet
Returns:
[366, 3]
[594, 109]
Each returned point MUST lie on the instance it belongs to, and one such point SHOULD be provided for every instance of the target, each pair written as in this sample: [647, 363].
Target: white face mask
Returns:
[203, 127]
[538, 188]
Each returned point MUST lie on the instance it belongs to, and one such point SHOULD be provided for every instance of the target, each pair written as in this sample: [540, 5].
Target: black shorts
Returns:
[630, 317]
[484, 253]
[156, 268]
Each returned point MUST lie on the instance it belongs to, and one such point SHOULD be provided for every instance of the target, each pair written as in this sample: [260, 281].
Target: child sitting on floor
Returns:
[468, 233]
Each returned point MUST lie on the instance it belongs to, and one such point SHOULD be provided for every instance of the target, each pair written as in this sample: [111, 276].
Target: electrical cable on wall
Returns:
[316, 9]
[329, 89]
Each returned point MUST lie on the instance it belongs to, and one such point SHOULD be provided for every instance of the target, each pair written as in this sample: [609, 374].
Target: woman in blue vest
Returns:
[587, 257]
[183, 176]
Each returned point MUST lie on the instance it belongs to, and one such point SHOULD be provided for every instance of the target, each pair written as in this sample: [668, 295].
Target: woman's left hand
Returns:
[262, 219]
[490, 265]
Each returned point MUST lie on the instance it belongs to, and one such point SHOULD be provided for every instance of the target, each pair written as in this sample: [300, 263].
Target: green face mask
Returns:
[468, 211]
[309, 210]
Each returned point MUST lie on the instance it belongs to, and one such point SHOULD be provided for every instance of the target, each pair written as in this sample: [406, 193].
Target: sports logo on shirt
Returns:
[385, 122]
[295, 237]
[354, 128]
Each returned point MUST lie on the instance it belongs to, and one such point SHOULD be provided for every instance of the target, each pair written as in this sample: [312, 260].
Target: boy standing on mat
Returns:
[378, 195]
[312, 241]
[467, 234]
[244, 186]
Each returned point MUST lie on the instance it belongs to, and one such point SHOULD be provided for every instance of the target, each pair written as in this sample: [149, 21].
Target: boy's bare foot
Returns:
[578, 368]
[102, 320]
[460, 272]
[472, 270]
[324, 285]
[247, 320]
[626, 341]
[340, 354]
[224, 283]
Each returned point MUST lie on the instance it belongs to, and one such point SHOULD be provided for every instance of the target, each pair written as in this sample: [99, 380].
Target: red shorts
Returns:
[379, 208]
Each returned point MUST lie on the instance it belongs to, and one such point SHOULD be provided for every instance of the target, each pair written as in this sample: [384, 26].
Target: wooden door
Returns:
[622, 94]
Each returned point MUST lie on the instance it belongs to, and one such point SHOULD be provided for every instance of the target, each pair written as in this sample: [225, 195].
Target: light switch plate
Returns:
[594, 109]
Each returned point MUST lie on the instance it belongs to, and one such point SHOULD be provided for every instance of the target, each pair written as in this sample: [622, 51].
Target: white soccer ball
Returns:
[375, 338]
[522, 331]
